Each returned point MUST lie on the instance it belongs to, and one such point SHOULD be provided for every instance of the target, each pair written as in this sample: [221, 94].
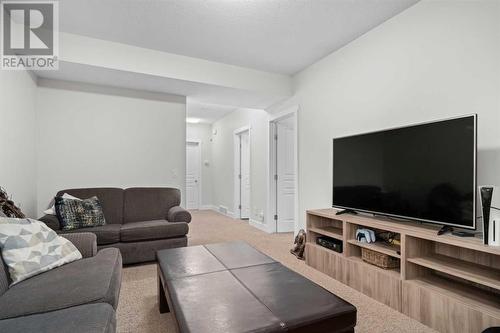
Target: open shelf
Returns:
[316, 246]
[390, 250]
[467, 294]
[395, 272]
[449, 283]
[327, 231]
[483, 275]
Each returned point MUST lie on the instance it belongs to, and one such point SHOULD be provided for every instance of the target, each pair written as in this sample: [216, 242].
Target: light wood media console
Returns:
[449, 283]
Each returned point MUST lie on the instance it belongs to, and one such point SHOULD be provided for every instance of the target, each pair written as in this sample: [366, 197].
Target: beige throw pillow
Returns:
[29, 248]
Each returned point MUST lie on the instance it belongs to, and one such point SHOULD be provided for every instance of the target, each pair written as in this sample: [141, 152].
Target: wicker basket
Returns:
[379, 259]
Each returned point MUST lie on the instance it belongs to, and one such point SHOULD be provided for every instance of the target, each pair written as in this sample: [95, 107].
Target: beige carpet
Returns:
[138, 308]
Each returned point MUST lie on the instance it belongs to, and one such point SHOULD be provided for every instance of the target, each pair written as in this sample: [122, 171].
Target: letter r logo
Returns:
[27, 28]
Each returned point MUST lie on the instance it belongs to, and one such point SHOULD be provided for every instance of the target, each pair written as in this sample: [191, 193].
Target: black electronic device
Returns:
[463, 234]
[424, 172]
[486, 196]
[330, 243]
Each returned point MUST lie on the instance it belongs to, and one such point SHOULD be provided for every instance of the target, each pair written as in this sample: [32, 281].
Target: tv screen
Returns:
[423, 172]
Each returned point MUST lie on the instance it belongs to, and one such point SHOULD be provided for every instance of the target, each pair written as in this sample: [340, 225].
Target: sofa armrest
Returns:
[178, 214]
[51, 221]
[85, 242]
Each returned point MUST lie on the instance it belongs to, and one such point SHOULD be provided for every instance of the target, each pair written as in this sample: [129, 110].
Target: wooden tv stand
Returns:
[449, 283]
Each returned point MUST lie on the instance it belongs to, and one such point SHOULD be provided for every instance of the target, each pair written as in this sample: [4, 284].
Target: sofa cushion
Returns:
[149, 203]
[144, 251]
[90, 280]
[89, 318]
[111, 200]
[106, 234]
[150, 230]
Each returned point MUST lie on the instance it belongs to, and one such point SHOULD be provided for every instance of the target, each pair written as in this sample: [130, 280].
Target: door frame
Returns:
[236, 169]
[271, 168]
[200, 172]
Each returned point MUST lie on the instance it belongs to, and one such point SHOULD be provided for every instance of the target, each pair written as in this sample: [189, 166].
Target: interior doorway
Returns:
[193, 175]
[242, 173]
[283, 171]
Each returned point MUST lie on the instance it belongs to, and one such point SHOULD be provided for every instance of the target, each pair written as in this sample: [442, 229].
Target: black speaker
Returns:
[486, 195]
[330, 243]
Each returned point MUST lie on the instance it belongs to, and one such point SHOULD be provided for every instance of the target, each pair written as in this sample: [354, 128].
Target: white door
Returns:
[285, 167]
[245, 175]
[193, 175]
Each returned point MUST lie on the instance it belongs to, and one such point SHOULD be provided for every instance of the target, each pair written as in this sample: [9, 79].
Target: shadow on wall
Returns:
[488, 166]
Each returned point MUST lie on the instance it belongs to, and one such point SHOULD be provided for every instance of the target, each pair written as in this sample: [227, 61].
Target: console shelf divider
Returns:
[479, 274]
[390, 250]
[328, 231]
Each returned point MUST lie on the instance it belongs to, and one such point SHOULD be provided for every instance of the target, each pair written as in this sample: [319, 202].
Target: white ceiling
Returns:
[207, 113]
[282, 36]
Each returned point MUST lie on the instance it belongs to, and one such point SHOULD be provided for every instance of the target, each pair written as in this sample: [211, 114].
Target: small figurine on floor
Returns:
[299, 245]
[8, 206]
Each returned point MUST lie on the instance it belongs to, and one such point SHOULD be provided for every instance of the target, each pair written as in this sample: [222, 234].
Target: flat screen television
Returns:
[424, 172]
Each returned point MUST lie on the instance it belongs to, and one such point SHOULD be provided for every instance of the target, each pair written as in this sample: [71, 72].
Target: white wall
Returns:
[223, 159]
[203, 133]
[92, 136]
[435, 60]
[17, 138]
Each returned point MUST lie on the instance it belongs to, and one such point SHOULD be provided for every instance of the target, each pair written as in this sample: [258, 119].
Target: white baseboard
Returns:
[261, 226]
[215, 208]
[288, 227]
[209, 207]
[254, 223]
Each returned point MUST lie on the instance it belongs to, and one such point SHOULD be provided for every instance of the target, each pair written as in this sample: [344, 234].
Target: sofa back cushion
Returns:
[149, 203]
[111, 200]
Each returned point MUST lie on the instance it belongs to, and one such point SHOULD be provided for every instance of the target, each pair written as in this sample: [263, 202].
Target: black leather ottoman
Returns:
[232, 287]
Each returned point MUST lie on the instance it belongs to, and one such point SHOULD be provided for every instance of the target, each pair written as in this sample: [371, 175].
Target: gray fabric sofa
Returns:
[79, 297]
[139, 220]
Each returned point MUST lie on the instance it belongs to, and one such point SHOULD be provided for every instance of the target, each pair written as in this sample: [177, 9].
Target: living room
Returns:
[167, 146]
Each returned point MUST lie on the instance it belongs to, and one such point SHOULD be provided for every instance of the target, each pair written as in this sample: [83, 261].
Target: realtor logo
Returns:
[30, 35]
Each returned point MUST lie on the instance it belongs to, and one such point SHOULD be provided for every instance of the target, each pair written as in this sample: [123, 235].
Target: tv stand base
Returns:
[346, 211]
[441, 282]
[444, 229]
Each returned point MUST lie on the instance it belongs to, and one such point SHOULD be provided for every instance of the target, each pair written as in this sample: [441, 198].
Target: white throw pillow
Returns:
[29, 248]
[52, 209]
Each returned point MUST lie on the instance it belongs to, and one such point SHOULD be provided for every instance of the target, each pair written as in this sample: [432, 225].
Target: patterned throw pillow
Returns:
[52, 207]
[76, 214]
[29, 248]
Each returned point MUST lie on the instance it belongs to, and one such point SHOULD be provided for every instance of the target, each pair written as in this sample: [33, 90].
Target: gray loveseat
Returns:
[139, 220]
[79, 297]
